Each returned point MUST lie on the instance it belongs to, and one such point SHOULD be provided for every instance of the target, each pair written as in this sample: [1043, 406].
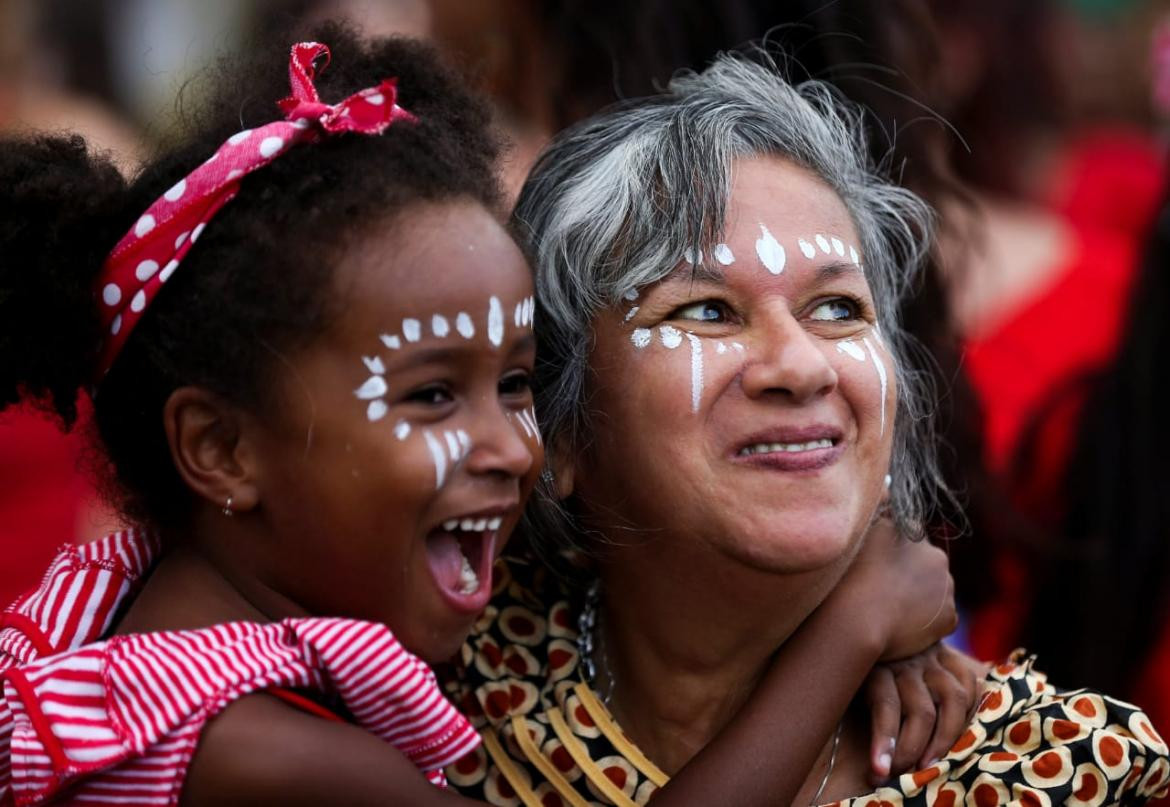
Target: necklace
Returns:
[587, 627]
[829, 770]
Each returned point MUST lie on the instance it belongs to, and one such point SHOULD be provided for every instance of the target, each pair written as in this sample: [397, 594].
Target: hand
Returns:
[919, 706]
[900, 590]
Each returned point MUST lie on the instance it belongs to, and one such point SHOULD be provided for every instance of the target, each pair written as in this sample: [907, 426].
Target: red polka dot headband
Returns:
[148, 255]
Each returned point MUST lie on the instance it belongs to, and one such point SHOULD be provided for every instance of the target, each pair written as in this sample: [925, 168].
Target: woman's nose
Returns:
[501, 445]
[784, 359]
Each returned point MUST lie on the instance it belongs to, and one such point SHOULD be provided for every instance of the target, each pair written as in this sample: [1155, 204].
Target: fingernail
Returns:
[884, 761]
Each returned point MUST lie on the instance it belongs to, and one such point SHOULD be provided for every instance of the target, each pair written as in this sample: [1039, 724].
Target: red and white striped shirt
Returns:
[118, 721]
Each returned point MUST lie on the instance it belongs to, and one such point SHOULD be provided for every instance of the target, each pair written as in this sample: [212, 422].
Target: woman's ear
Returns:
[209, 448]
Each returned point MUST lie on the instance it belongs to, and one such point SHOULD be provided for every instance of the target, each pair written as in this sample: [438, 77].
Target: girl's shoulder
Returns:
[1035, 744]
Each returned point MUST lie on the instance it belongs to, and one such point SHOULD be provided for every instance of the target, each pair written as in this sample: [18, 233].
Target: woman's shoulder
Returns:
[1033, 743]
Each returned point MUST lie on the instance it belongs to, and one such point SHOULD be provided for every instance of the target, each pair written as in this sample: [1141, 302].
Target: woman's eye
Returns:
[705, 311]
[432, 395]
[515, 384]
[837, 310]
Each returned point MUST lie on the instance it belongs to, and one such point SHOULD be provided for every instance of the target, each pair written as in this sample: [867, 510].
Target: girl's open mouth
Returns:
[460, 554]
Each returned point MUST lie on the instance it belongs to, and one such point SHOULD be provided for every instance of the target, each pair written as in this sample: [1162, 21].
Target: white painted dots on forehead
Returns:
[770, 251]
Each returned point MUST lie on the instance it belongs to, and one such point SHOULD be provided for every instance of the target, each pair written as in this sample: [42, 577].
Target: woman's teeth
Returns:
[791, 448]
[472, 524]
[468, 579]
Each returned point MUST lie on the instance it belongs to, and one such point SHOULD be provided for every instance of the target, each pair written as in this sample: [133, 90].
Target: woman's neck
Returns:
[686, 643]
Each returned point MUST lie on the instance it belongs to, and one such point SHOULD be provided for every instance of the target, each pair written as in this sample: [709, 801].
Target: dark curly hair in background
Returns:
[259, 283]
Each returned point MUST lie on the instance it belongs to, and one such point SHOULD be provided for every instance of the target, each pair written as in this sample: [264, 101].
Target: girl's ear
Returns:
[209, 448]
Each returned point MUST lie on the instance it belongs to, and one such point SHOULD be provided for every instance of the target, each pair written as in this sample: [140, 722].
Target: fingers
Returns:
[918, 717]
[953, 700]
[969, 676]
[886, 715]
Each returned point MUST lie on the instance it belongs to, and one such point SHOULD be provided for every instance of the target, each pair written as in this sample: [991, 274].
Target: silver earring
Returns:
[227, 507]
[546, 476]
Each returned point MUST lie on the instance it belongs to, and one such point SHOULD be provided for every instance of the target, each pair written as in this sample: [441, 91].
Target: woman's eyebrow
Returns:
[836, 269]
[701, 273]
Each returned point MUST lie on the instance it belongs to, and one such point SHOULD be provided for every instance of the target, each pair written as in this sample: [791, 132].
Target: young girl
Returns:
[309, 346]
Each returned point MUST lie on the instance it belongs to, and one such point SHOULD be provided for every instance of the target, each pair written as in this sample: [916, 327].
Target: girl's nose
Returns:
[501, 445]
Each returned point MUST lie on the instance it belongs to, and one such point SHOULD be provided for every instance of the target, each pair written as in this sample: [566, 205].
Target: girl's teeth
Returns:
[481, 525]
[450, 524]
[467, 525]
[791, 448]
[495, 523]
[468, 579]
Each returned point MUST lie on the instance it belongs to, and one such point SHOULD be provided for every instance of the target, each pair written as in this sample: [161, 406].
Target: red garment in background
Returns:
[1041, 355]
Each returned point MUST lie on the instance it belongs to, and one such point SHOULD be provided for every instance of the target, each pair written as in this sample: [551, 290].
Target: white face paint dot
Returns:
[116, 325]
[145, 270]
[139, 301]
[838, 247]
[376, 410]
[168, 270]
[270, 145]
[392, 342]
[692, 257]
[631, 295]
[374, 365]
[671, 336]
[377, 99]
[144, 225]
[770, 251]
[633, 312]
[640, 337]
[240, 137]
[439, 326]
[374, 387]
[182, 237]
[401, 430]
[411, 329]
[806, 249]
[176, 192]
[495, 322]
[723, 254]
[853, 256]
[823, 243]
[111, 294]
[720, 347]
[464, 325]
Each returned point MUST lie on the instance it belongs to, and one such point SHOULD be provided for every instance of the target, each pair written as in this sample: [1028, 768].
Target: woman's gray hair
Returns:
[615, 201]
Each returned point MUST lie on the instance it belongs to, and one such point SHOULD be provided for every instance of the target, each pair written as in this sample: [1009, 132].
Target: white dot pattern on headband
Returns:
[671, 336]
[411, 330]
[270, 146]
[176, 191]
[111, 294]
[439, 326]
[641, 337]
[182, 237]
[168, 270]
[144, 225]
[392, 342]
[806, 249]
[376, 410]
[235, 173]
[116, 325]
[377, 99]
[838, 246]
[374, 387]
[723, 254]
[495, 327]
[240, 137]
[138, 302]
[198, 231]
[464, 325]
[145, 270]
[374, 365]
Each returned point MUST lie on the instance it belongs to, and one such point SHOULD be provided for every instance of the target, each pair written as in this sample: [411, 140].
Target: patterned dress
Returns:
[548, 740]
[118, 721]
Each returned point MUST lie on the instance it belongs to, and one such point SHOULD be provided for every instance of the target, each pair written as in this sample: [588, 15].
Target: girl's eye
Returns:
[515, 384]
[431, 396]
[838, 310]
[705, 311]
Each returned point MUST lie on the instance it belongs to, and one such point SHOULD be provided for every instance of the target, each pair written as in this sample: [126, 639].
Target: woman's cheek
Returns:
[692, 364]
[863, 359]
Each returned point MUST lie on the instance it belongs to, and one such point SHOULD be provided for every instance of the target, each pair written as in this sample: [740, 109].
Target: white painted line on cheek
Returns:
[530, 316]
[374, 387]
[641, 337]
[524, 424]
[838, 247]
[881, 371]
[851, 349]
[770, 252]
[723, 254]
[720, 348]
[464, 325]
[631, 314]
[464, 441]
[738, 346]
[823, 243]
[806, 249]
[374, 365]
[518, 314]
[439, 326]
[438, 457]
[495, 322]
[531, 412]
[391, 342]
[402, 430]
[671, 337]
[452, 445]
[696, 371]
[411, 329]
[376, 410]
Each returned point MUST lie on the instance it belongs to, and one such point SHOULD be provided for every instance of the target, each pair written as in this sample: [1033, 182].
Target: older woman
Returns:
[727, 410]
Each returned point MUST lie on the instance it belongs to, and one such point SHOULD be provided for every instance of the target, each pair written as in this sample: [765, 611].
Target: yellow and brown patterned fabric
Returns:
[549, 741]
